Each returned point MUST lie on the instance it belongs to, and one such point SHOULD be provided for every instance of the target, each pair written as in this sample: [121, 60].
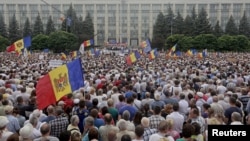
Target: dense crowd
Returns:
[165, 99]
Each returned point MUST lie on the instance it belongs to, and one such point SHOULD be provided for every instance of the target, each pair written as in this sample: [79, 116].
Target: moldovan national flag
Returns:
[152, 54]
[59, 82]
[88, 42]
[132, 57]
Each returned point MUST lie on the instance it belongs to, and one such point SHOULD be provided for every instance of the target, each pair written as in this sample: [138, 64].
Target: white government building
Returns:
[124, 21]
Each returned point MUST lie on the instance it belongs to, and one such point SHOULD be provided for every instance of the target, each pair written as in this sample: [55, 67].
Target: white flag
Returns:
[81, 49]
[25, 53]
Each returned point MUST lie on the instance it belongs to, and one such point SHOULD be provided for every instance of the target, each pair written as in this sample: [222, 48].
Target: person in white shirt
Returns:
[115, 95]
[220, 88]
[162, 132]
[177, 118]
[183, 105]
[137, 103]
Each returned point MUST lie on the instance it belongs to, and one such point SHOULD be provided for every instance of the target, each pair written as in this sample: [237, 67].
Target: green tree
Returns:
[4, 42]
[178, 24]
[80, 31]
[227, 43]
[202, 23]
[27, 29]
[205, 41]
[39, 42]
[158, 31]
[243, 43]
[3, 30]
[186, 43]
[88, 27]
[14, 31]
[231, 28]
[188, 26]
[174, 39]
[69, 24]
[194, 19]
[61, 41]
[169, 21]
[217, 29]
[50, 27]
[244, 27]
[38, 26]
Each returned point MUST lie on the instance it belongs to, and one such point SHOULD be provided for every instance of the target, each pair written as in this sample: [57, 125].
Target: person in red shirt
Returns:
[102, 84]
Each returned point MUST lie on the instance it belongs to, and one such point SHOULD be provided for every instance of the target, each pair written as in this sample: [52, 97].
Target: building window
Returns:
[1, 8]
[79, 10]
[65, 7]
[200, 6]
[179, 7]
[166, 7]
[190, 9]
[112, 7]
[89, 7]
[145, 7]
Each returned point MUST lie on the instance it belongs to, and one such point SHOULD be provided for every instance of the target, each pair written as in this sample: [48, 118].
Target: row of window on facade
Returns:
[133, 7]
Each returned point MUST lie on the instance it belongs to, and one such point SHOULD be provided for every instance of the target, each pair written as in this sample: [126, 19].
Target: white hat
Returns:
[76, 101]
[4, 121]
[26, 131]
[200, 94]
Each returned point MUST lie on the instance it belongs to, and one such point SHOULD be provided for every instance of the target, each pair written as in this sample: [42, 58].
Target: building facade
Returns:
[124, 21]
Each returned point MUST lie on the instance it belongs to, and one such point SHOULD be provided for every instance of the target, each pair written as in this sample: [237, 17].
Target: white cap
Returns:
[200, 94]
[76, 101]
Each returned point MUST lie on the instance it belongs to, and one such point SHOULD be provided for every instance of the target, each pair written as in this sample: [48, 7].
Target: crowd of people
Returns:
[165, 99]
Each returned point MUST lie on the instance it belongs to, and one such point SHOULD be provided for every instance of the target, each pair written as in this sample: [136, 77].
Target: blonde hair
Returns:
[170, 123]
[213, 121]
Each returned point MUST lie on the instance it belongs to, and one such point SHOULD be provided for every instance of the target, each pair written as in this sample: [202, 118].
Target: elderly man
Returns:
[147, 130]
[45, 131]
[123, 130]
[104, 130]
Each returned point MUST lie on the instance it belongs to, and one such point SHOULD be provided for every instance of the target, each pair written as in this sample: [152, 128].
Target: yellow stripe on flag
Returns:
[132, 57]
[19, 45]
[60, 81]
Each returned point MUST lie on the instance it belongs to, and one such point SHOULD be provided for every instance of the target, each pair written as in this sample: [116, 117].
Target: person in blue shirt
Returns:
[132, 110]
[82, 113]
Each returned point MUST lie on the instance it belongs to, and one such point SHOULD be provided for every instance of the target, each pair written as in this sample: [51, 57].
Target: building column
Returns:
[219, 11]
[139, 26]
[118, 34]
[150, 22]
[128, 24]
[95, 25]
[106, 24]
